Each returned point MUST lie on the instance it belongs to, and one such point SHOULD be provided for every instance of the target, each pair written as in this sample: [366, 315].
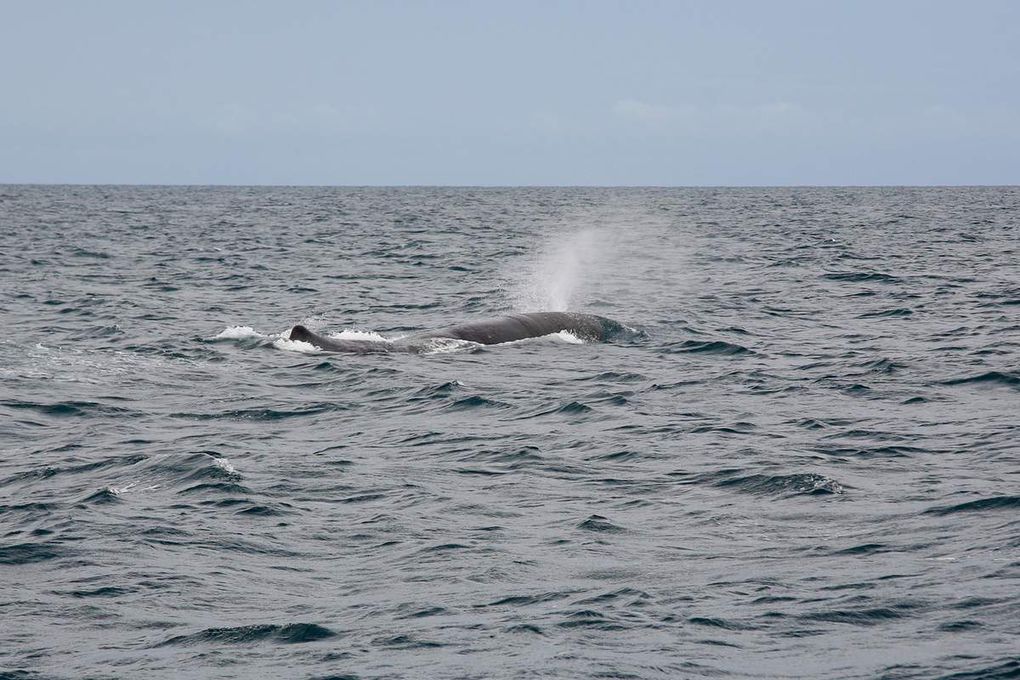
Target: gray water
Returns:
[802, 464]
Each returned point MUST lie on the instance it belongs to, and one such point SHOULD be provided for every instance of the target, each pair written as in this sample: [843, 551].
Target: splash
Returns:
[300, 346]
[283, 341]
[238, 333]
[351, 334]
[224, 464]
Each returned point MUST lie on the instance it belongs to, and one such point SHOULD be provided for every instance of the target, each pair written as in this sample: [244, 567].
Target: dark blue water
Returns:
[805, 464]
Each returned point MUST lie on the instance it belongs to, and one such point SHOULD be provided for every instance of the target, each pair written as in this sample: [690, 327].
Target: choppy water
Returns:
[807, 465]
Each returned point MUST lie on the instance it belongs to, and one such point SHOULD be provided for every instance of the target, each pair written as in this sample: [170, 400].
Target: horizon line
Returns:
[508, 186]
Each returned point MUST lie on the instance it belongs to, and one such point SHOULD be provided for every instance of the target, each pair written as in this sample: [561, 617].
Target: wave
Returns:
[706, 347]
[572, 408]
[405, 642]
[29, 553]
[807, 484]
[715, 622]
[474, 402]
[897, 313]
[78, 409]
[990, 378]
[859, 617]
[861, 277]
[293, 633]
[883, 365]
[527, 600]
[600, 524]
[265, 414]
[982, 504]
[440, 391]
[864, 549]
[867, 452]
[589, 618]
[102, 497]
[1007, 669]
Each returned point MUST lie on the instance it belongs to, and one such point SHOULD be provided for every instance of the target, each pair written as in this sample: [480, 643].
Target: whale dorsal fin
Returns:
[299, 332]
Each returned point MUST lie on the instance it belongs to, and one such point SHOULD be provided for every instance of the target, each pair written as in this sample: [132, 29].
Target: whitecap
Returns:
[225, 465]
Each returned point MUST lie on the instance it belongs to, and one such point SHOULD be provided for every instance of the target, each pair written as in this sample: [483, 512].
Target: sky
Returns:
[518, 92]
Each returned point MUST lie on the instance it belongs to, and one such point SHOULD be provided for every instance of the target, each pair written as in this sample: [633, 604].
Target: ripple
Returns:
[573, 408]
[864, 549]
[707, 347]
[808, 484]
[861, 277]
[474, 402]
[76, 409]
[866, 452]
[897, 313]
[859, 617]
[29, 553]
[405, 642]
[264, 414]
[106, 591]
[216, 487]
[588, 618]
[817, 422]
[102, 497]
[600, 524]
[714, 622]
[437, 391]
[883, 365]
[1006, 669]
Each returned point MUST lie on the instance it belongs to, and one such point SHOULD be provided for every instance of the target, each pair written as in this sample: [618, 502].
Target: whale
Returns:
[589, 327]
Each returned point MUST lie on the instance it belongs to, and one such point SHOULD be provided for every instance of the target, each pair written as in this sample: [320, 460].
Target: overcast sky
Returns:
[513, 92]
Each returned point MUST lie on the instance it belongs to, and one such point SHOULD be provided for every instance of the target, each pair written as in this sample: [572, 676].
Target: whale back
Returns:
[528, 325]
[301, 333]
[509, 328]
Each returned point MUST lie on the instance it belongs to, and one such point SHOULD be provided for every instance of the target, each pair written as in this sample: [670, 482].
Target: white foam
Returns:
[567, 336]
[238, 333]
[225, 465]
[446, 345]
[366, 336]
[560, 336]
[283, 341]
[73, 365]
[289, 345]
[130, 487]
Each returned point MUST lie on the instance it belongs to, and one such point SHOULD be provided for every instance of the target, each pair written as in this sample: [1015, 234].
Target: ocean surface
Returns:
[804, 462]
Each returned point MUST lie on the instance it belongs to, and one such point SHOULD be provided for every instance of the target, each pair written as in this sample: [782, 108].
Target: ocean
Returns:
[804, 461]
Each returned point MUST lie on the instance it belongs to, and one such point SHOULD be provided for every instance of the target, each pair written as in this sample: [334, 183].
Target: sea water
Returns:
[804, 463]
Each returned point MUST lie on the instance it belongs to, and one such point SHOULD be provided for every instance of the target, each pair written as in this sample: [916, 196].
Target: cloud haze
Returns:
[737, 92]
